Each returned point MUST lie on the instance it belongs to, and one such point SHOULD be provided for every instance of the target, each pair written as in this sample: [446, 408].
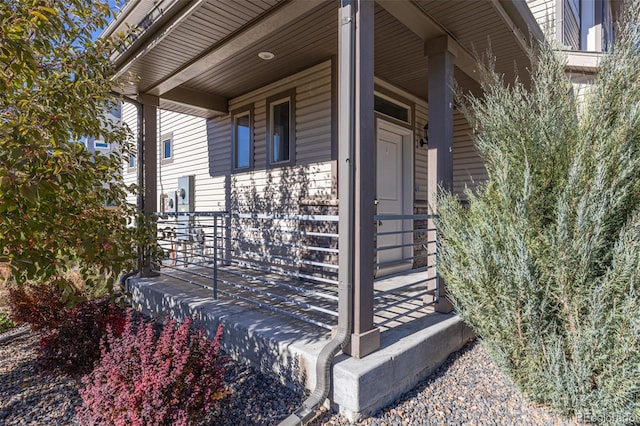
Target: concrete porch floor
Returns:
[415, 340]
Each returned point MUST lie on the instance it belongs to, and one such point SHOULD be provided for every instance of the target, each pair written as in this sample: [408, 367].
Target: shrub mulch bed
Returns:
[466, 390]
[31, 396]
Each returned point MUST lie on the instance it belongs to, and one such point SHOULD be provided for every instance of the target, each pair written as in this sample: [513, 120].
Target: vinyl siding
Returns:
[202, 148]
[130, 118]
[545, 13]
[468, 169]
[190, 157]
[420, 155]
[313, 114]
[281, 189]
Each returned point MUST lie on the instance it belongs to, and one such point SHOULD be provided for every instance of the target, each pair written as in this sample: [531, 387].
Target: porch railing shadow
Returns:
[287, 263]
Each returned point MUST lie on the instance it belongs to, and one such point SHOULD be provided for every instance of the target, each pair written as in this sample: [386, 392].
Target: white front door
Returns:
[394, 194]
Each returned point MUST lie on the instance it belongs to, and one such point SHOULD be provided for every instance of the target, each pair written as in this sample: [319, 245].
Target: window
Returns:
[132, 161]
[281, 130]
[242, 139]
[166, 145]
[101, 144]
[390, 108]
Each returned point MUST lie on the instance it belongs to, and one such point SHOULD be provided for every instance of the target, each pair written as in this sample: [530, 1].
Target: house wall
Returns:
[203, 148]
[468, 169]
[571, 25]
[281, 189]
[545, 13]
[582, 86]
[130, 118]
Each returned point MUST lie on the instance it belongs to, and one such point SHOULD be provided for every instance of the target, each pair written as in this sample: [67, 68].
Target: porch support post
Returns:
[441, 54]
[365, 338]
[148, 163]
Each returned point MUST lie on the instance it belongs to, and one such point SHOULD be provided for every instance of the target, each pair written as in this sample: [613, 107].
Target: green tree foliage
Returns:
[544, 264]
[55, 85]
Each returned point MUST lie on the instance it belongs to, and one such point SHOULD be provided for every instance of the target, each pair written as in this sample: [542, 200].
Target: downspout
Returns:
[346, 151]
[124, 278]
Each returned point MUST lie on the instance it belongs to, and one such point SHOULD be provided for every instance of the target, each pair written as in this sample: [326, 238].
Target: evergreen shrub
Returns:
[544, 263]
[173, 377]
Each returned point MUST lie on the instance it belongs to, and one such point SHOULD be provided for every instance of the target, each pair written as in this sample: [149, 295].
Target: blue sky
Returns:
[115, 6]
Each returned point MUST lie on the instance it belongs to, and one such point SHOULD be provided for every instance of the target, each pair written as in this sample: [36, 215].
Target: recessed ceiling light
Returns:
[267, 56]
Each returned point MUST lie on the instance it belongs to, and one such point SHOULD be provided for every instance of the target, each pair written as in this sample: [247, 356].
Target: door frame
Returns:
[407, 186]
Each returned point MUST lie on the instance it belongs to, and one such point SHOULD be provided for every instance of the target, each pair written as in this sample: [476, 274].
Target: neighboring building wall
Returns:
[96, 143]
[576, 24]
[130, 118]
[545, 13]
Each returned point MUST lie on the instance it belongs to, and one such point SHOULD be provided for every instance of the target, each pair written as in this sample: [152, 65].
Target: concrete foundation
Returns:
[409, 350]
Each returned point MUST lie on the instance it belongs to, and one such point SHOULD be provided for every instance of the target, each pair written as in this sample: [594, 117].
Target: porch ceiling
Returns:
[213, 51]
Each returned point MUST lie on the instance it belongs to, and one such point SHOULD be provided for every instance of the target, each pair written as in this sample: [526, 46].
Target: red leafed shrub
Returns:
[147, 378]
[39, 305]
[69, 336]
[74, 345]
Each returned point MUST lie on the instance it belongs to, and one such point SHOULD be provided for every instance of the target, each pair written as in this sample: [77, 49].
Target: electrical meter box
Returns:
[185, 194]
[169, 202]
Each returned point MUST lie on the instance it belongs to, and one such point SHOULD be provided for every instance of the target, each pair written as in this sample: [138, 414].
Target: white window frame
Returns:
[100, 145]
[163, 139]
[240, 113]
[271, 104]
[131, 168]
[397, 103]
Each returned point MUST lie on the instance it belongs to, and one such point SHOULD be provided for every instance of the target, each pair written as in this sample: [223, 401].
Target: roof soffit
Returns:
[278, 17]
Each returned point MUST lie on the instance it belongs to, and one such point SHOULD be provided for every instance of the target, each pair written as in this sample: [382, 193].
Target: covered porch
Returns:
[287, 300]
[414, 338]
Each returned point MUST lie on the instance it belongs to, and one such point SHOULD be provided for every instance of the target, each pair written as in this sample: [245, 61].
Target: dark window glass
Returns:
[166, 148]
[391, 109]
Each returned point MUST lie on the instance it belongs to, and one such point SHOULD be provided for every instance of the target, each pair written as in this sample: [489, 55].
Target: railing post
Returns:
[215, 257]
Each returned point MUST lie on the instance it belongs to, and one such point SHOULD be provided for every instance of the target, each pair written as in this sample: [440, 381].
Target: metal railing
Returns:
[405, 245]
[407, 237]
[283, 263]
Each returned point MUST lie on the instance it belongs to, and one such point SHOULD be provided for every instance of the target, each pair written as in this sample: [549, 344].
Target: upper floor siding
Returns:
[576, 24]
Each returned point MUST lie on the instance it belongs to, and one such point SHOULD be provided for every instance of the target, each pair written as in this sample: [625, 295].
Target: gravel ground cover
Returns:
[29, 396]
[466, 390]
